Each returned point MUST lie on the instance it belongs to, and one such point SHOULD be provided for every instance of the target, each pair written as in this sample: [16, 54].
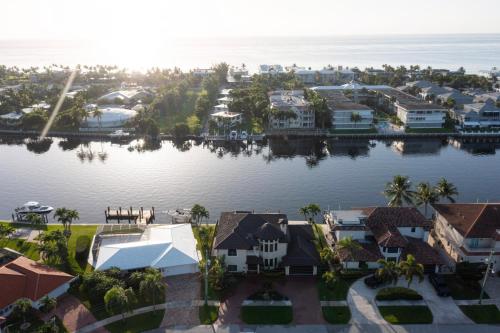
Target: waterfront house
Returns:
[306, 75]
[202, 72]
[420, 114]
[23, 278]
[238, 75]
[478, 115]
[493, 96]
[251, 243]
[227, 118]
[389, 233]
[111, 117]
[459, 98]
[468, 232]
[270, 69]
[169, 248]
[290, 110]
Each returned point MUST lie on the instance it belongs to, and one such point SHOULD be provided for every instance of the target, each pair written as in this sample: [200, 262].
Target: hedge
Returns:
[398, 293]
[82, 248]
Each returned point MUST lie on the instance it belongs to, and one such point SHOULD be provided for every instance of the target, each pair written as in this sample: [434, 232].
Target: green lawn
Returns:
[429, 130]
[406, 314]
[267, 315]
[208, 314]
[354, 131]
[337, 293]
[461, 289]
[336, 314]
[482, 314]
[19, 245]
[138, 323]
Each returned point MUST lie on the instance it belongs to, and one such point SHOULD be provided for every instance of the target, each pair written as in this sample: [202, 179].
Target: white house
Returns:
[256, 242]
[270, 69]
[23, 278]
[111, 117]
[344, 114]
[169, 248]
[290, 110]
[227, 118]
[389, 233]
[468, 232]
[478, 115]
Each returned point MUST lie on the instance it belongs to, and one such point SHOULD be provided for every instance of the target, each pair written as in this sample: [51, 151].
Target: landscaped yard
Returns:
[461, 289]
[267, 315]
[138, 323]
[482, 314]
[397, 293]
[406, 314]
[28, 249]
[208, 314]
[337, 293]
[336, 314]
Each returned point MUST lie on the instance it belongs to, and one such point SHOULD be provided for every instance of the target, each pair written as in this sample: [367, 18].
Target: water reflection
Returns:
[419, 146]
[39, 146]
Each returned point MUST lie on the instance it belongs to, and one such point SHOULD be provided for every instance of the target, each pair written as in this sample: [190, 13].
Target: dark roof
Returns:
[387, 235]
[237, 230]
[472, 220]
[368, 252]
[268, 232]
[423, 252]
[301, 250]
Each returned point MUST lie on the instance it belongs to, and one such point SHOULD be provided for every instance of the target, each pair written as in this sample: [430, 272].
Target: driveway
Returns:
[301, 291]
[361, 300]
[74, 314]
[182, 288]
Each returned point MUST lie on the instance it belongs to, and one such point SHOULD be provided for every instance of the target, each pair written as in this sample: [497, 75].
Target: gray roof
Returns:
[301, 249]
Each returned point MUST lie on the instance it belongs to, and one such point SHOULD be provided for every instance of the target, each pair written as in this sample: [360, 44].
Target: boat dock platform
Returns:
[130, 215]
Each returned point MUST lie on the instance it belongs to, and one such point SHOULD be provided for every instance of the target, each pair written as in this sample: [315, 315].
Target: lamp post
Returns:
[488, 263]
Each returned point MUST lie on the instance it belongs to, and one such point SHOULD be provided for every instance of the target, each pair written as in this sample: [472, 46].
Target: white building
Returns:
[202, 72]
[478, 115]
[124, 96]
[227, 118]
[420, 115]
[290, 110]
[389, 233]
[169, 248]
[344, 114]
[257, 242]
[270, 69]
[111, 117]
[238, 74]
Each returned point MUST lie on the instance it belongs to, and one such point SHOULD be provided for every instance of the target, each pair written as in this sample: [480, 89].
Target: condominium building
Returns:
[289, 109]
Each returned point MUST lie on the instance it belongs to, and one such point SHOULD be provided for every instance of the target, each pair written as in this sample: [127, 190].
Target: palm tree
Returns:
[151, 286]
[304, 211]
[22, 307]
[425, 195]
[389, 271]
[47, 304]
[349, 245]
[118, 300]
[314, 210]
[399, 191]
[97, 113]
[199, 212]
[326, 254]
[35, 220]
[411, 268]
[356, 118]
[66, 216]
[446, 190]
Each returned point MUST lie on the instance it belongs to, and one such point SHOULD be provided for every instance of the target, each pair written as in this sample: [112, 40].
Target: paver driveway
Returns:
[301, 291]
[182, 288]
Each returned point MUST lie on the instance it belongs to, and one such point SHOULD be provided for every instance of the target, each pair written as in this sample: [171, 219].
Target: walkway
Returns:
[94, 327]
[361, 300]
[182, 288]
[74, 314]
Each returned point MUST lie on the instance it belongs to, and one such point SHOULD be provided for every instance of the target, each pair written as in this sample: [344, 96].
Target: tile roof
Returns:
[237, 230]
[422, 251]
[301, 249]
[481, 220]
[25, 278]
[367, 252]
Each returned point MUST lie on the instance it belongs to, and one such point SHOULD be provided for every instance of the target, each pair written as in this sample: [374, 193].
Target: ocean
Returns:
[472, 51]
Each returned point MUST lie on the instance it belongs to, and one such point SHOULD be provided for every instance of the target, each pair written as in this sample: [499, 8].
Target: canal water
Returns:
[278, 175]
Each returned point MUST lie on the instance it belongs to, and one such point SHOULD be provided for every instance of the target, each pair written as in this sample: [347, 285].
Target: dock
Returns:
[130, 215]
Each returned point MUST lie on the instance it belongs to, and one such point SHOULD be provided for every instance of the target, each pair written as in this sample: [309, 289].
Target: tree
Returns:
[35, 120]
[181, 130]
[47, 304]
[53, 246]
[304, 211]
[199, 212]
[356, 118]
[36, 220]
[314, 210]
[216, 273]
[152, 285]
[326, 254]
[22, 308]
[98, 114]
[66, 216]
[118, 300]
[425, 195]
[330, 278]
[389, 271]
[410, 268]
[446, 190]
[399, 191]
[6, 231]
[194, 124]
[349, 245]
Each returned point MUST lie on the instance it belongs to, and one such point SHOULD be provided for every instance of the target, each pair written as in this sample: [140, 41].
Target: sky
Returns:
[143, 20]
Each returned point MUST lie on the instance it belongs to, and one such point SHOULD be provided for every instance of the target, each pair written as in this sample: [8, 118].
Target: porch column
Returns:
[287, 270]
[258, 269]
[315, 270]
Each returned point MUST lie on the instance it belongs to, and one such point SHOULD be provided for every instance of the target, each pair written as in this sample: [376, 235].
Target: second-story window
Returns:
[276, 246]
[266, 248]
[232, 252]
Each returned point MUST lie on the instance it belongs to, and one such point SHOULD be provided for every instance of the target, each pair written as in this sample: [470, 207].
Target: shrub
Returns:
[398, 293]
[82, 248]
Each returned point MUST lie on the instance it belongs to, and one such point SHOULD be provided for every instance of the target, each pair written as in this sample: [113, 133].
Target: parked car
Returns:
[439, 283]
[373, 281]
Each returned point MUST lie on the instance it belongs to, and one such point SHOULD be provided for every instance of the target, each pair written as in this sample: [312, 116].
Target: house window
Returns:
[275, 262]
[232, 268]
[276, 246]
[231, 252]
[391, 259]
[266, 248]
[413, 229]
[474, 242]
[392, 250]
[266, 262]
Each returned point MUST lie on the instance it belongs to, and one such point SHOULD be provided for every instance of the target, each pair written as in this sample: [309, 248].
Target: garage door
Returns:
[301, 270]
[182, 269]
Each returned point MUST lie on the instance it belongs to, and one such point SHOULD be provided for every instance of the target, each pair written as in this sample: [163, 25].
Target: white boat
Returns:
[180, 215]
[119, 134]
[33, 207]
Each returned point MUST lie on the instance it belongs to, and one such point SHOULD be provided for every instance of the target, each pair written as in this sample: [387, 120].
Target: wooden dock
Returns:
[130, 215]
